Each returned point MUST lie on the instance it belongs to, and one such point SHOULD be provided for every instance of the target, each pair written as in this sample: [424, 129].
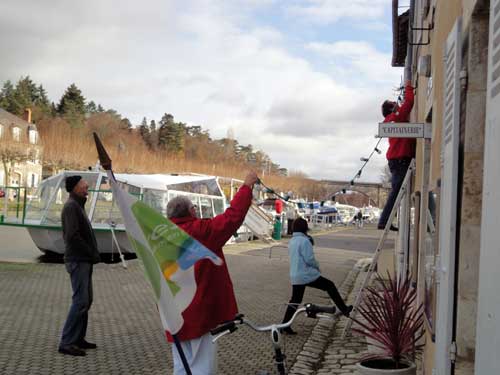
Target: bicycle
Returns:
[311, 310]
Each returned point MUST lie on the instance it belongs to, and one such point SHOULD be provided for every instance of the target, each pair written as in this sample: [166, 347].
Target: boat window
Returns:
[218, 206]
[106, 210]
[59, 197]
[206, 208]
[156, 199]
[206, 187]
[39, 202]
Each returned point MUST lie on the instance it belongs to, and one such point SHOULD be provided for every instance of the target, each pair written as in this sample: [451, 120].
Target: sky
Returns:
[302, 80]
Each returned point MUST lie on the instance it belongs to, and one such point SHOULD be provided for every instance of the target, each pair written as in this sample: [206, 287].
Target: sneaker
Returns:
[86, 345]
[71, 350]
[289, 331]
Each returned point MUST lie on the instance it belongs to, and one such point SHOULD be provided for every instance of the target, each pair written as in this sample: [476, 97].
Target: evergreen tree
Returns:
[91, 107]
[72, 106]
[24, 96]
[7, 96]
[144, 130]
[171, 134]
[100, 108]
[42, 101]
[72, 100]
[152, 126]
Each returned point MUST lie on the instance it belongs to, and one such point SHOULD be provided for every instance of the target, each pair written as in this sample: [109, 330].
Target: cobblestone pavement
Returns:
[325, 352]
[34, 300]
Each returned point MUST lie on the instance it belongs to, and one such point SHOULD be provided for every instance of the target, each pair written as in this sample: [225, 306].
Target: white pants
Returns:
[201, 355]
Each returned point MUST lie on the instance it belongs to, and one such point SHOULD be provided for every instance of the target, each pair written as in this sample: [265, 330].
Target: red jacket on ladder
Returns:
[401, 148]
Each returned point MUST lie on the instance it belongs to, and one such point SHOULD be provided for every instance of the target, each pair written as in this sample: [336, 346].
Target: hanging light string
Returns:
[399, 100]
[271, 191]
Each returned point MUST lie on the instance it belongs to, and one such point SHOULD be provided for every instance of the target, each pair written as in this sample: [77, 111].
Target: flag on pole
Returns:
[168, 254]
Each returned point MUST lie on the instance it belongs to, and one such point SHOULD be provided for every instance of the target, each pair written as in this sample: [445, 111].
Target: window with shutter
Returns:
[488, 323]
[448, 201]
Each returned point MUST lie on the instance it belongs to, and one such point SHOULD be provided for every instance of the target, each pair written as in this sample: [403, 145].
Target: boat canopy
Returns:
[45, 206]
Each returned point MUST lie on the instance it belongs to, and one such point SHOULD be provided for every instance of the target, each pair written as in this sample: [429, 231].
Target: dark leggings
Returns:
[320, 283]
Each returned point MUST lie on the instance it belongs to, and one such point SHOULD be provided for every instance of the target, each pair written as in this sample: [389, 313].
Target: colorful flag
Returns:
[166, 251]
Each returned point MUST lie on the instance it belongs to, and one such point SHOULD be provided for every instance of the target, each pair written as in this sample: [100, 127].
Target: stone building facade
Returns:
[452, 55]
[20, 152]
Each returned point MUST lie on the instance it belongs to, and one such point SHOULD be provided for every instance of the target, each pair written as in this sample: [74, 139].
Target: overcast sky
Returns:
[300, 79]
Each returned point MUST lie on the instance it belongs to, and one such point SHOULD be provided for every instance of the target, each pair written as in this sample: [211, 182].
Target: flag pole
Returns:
[105, 162]
[181, 354]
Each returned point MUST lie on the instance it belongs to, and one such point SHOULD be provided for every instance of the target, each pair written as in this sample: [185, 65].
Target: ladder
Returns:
[402, 191]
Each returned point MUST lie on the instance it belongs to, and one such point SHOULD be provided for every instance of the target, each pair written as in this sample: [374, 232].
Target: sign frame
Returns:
[404, 130]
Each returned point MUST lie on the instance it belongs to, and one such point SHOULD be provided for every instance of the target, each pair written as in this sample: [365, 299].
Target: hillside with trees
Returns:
[163, 145]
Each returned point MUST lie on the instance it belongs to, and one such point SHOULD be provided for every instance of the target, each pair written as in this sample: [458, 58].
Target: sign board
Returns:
[403, 130]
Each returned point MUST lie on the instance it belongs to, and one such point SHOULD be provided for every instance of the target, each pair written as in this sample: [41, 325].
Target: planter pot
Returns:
[385, 367]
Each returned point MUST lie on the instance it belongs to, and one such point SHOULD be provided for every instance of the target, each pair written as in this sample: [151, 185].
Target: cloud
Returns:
[359, 60]
[209, 63]
[331, 11]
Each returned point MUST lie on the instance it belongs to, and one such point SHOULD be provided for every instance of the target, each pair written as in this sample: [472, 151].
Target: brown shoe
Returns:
[72, 350]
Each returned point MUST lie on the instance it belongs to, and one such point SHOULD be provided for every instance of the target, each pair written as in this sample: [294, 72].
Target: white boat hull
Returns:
[50, 240]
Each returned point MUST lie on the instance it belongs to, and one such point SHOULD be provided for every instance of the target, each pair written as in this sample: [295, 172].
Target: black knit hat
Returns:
[71, 182]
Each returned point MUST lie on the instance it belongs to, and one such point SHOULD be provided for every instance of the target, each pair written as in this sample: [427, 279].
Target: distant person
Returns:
[304, 271]
[359, 217]
[79, 257]
[214, 301]
[400, 152]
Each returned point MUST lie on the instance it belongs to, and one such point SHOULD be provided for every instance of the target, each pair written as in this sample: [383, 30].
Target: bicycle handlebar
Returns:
[228, 326]
[310, 309]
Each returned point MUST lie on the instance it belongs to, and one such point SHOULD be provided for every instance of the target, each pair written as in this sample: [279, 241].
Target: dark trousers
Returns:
[321, 283]
[398, 168]
[289, 226]
[75, 328]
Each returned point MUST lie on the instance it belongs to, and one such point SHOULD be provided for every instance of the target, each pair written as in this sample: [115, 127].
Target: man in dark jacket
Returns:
[79, 257]
[400, 152]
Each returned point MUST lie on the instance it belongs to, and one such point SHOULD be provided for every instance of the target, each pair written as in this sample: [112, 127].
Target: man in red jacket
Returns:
[214, 301]
[400, 152]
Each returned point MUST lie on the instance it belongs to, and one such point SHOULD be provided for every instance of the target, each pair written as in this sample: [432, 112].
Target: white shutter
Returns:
[488, 313]
[448, 200]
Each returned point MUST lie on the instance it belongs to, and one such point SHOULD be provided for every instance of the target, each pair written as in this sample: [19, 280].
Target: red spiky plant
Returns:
[392, 320]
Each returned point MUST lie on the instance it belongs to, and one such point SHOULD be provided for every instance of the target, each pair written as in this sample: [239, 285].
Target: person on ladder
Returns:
[400, 152]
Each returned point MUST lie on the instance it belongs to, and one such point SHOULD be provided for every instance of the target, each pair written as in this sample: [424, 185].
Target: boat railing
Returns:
[13, 201]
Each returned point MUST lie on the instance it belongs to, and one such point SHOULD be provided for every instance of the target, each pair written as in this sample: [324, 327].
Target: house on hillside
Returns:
[20, 152]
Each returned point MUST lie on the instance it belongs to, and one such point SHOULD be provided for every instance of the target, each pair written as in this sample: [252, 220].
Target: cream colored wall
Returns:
[446, 13]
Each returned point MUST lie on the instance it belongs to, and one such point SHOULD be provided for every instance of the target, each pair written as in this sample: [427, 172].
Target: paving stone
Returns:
[35, 298]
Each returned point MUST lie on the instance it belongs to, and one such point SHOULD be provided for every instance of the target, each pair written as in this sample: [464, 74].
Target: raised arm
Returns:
[223, 226]
[403, 112]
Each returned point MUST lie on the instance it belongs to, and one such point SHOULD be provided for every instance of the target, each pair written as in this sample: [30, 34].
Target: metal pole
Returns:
[24, 206]
[18, 189]
[182, 355]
